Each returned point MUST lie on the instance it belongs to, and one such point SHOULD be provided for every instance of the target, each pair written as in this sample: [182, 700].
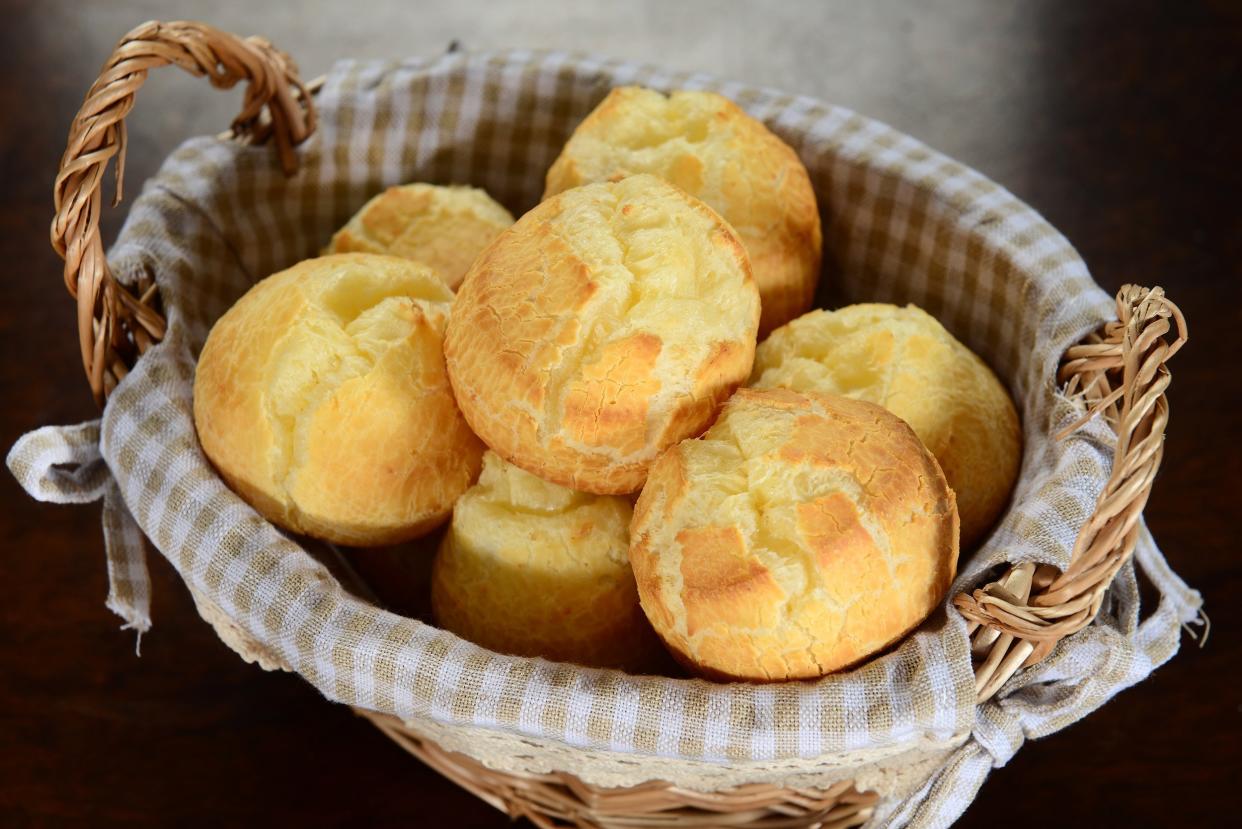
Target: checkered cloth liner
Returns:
[902, 224]
[62, 465]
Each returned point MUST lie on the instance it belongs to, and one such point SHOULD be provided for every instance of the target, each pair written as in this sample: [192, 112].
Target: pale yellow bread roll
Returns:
[321, 398]
[904, 360]
[442, 227]
[531, 568]
[800, 535]
[610, 322]
[709, 147]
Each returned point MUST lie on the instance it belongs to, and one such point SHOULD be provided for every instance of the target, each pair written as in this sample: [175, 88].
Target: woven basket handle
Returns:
[116, 325]
[1121, 373]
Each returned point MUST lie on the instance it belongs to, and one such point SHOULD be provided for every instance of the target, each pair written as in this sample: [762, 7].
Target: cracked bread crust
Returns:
[904, 360]
[708, 146]
[800, 535]
[532, 568]
[321, 398]
[442, 227]
[609, 323]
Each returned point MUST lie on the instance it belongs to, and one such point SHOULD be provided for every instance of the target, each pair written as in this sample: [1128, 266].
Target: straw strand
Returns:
[1122, 375]
[116, 326]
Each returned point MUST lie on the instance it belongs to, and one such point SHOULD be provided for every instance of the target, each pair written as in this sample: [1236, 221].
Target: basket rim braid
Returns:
[1106, 398]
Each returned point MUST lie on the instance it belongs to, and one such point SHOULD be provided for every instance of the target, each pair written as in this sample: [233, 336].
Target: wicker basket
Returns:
[1014, 621]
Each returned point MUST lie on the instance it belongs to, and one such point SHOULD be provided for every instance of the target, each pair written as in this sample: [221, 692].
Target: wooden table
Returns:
[1119, 121]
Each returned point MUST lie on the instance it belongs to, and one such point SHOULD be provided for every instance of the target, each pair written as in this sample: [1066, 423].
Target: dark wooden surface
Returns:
[1118, 120]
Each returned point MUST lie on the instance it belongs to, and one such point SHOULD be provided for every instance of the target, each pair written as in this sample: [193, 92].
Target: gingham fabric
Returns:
[902, 224]
[62, 465]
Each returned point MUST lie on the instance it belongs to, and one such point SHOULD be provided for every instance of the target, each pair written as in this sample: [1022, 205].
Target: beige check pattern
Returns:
[63, 465]
[902, 224]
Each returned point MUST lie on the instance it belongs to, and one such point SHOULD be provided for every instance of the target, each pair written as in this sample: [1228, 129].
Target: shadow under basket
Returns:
[902, 224]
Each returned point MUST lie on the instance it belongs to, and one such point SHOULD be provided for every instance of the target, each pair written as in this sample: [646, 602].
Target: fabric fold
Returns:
[63, 465]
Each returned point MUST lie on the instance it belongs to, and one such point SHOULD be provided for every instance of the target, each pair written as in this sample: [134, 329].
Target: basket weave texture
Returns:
[902, 224]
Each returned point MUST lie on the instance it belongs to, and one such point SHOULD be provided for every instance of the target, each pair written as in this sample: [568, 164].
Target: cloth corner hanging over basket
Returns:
[1042, 626]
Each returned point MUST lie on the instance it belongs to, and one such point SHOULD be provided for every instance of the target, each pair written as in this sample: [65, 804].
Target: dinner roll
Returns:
[800, 535]
[321, 398]
[534, 569]
[610, 322]
[709, 147]
[442, 227]
[904, 360]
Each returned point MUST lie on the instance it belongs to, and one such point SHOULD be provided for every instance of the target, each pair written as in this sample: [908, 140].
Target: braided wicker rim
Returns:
[1015, 621]
[1122, 375]
[115, 325]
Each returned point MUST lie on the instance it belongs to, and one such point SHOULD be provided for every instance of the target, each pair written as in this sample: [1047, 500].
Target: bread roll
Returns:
[610, 322]
[534, 569]
[709, 147]
[442, 227]
[905, 361]
[800, 535]
[321, 398]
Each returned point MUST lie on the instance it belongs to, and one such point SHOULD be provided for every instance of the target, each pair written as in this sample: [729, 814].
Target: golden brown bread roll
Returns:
[609, 323]
[321, 398]
[709, 147]
[800, 535]
[442, 227]
[535, 569]
[904, 360]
